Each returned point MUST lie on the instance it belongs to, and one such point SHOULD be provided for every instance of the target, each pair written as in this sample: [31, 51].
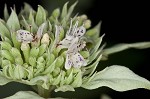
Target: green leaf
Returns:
[16, 43]
[70, 10]
[40, 16]
[32, 22]
[25, 11]
[64, 10]
[94, 32]
[4, 32]
[3, 79]
[56, 13]
[13, 22]
[25, 95]
[95, 52]
[6, 14]
[6, 46]
[121, 47]
[97, 44]
[119, 78]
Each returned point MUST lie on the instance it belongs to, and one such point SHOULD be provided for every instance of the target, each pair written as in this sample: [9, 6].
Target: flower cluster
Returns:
[59, 52]
[47, 51]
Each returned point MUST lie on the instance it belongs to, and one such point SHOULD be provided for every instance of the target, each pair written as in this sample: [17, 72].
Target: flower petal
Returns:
[24, 36]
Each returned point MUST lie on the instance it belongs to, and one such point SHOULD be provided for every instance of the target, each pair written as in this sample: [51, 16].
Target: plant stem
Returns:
[45, 92]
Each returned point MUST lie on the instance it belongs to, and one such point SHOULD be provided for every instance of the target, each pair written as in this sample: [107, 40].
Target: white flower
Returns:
[73, 57]
[72, 33]
[25, 36]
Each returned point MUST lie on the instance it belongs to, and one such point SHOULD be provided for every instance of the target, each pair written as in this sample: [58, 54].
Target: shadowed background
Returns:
[122, 22]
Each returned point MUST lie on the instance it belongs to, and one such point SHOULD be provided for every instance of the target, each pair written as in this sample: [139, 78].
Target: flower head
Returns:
[44, 51]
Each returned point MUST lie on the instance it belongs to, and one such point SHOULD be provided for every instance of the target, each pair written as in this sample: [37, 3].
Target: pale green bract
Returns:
[28, 95]
[41, 61]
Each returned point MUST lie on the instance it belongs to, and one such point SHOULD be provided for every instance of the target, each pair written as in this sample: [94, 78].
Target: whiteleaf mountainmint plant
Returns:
[59, 52]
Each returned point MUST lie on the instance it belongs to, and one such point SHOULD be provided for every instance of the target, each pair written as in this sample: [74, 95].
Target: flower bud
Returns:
[25, 65]
[7, 55]
[26, 51]
[42, 49]
[18, 60]
[61, 35]
[40, 60]
[19, 72]
[56, 71]
[41, 65]
[34, 52]
[83, 17]
[5, 45]
[15, 52]
[56, 13]
[45, 39]
[32, 61]
[94, 31]
[59, 61]
[5, 62]
[50, 59]
[87, 24]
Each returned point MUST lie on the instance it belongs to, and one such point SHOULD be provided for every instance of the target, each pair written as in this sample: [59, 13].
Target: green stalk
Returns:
[44, 92]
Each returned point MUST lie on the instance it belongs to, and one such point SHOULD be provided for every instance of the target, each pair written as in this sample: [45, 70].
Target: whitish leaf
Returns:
[121, 47]
[65, 88]
[41, 80]
[118, 78]
[13, 22]
[25, 95]
[3, 79]
[90, 69]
